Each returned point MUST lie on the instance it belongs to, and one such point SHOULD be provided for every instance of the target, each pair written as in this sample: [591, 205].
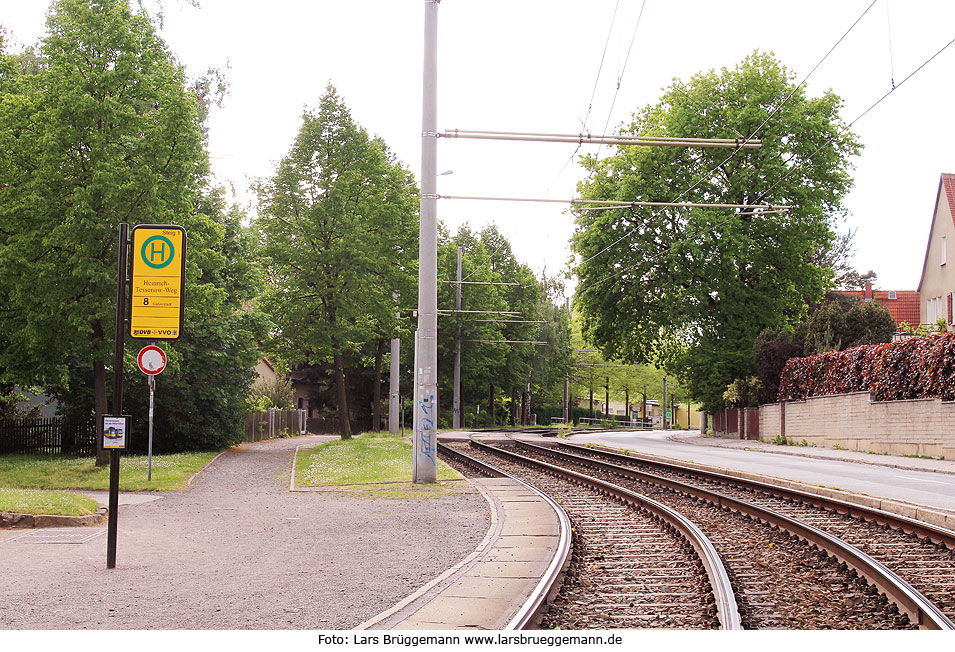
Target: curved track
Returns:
[901, 593]
[636, 563]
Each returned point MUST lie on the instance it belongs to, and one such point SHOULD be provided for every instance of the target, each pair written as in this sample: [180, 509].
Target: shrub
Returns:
[920, 367]
[268, 393]
[772, 351]
[743, 393]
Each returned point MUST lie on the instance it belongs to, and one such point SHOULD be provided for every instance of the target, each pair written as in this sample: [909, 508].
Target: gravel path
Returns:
[240, 551]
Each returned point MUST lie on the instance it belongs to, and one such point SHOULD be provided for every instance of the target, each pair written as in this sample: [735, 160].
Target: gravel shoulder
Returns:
[238, 551]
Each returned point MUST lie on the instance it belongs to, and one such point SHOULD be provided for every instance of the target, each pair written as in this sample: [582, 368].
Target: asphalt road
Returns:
[927, 488]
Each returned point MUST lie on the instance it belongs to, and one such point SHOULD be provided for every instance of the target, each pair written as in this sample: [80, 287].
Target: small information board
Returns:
[115, 430]
[159, 267]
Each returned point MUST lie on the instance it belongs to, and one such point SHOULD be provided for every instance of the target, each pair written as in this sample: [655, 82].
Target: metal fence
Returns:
[53, 436]
[274, 423]
[616, 423]
[741, 423]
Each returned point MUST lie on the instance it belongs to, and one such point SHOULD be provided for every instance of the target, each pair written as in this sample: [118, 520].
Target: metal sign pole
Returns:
[152, 392]
[111, 527]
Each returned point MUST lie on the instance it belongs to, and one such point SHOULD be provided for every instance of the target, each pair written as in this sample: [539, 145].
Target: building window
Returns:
[933, 310]
[893, 294]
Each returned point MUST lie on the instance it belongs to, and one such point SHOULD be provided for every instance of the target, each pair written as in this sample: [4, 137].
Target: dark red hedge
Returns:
[920, 367]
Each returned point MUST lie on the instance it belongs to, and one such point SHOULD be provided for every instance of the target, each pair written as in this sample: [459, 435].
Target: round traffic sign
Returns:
[151, 360]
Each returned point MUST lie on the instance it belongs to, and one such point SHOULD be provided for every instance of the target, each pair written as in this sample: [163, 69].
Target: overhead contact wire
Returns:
[751, 137]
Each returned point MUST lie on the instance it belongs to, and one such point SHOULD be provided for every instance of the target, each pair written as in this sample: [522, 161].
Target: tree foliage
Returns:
[271, 393]
[100, 126]
[840, 322]
[338, 227]
[493, 372]
[594, 373]
[772, 350]
[693, 288]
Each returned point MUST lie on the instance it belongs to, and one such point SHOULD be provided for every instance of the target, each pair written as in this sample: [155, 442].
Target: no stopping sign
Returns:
[151, 360]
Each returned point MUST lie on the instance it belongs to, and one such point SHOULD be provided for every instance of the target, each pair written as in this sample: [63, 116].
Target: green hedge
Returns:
[920, 367]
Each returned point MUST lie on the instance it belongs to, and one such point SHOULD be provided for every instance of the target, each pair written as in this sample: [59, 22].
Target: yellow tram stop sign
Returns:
[159, 267]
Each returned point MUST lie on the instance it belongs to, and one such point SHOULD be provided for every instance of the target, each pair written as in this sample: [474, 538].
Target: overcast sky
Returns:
[529, 65]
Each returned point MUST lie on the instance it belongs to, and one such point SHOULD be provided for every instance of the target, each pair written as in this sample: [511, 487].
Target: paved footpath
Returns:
[238, 550]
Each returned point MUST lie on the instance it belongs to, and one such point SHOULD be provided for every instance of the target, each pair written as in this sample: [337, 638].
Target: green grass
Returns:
[373, 464]
[34, 501]
[170, 472]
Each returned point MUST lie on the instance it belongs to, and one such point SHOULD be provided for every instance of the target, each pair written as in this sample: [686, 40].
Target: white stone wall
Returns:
[855, 422]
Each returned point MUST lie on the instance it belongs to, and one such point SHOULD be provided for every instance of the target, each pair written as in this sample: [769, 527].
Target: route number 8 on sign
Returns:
[159, 265]
[151, 360]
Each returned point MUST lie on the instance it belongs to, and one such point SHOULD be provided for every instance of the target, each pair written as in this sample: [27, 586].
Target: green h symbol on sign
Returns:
[157, 251]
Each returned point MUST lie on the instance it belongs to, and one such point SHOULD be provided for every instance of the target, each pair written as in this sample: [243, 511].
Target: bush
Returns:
[271, 393]
[772, 351]
[743, 393]
[921, 367]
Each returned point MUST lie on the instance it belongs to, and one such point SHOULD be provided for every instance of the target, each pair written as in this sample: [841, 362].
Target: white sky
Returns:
[530, 65]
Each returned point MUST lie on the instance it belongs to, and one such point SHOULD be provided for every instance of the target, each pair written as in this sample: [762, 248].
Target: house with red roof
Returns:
[938, 274]
[903, 305]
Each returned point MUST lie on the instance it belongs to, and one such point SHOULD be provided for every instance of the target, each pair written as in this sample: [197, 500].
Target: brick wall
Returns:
[856, 422]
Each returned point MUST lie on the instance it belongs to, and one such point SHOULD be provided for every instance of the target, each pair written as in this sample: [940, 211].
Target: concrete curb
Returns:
[493, 531]
[902, 508]
[13, 520]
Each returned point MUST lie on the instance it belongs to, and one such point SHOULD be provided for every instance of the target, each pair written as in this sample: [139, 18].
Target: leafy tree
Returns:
[773, 348]
[202, 398]
[101, 129]
[634, 383]
[841, 322]
[338, 226]
[692, 288]
[836, 256]
[488, 368]
[743, 392]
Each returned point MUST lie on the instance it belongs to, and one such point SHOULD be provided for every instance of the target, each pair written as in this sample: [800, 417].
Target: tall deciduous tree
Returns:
[494, 371]
[694, 287]
[338, 224]
[102, 130]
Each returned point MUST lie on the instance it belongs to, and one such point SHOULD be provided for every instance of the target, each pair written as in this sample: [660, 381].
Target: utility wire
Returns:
[751, 137]
[593, 94]
[622, 71]
[888, 22]
[603, 56]
[670, 249]
[859, 117]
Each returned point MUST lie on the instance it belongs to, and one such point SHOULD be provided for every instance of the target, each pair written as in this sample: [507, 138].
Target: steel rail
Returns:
[922, 529]
[727, 610]
[529, 613]
[920, 610]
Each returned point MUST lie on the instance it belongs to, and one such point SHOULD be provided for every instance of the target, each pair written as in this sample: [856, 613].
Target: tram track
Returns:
[780, 581]
[635, 564]
[881, 580]
[921, 554]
